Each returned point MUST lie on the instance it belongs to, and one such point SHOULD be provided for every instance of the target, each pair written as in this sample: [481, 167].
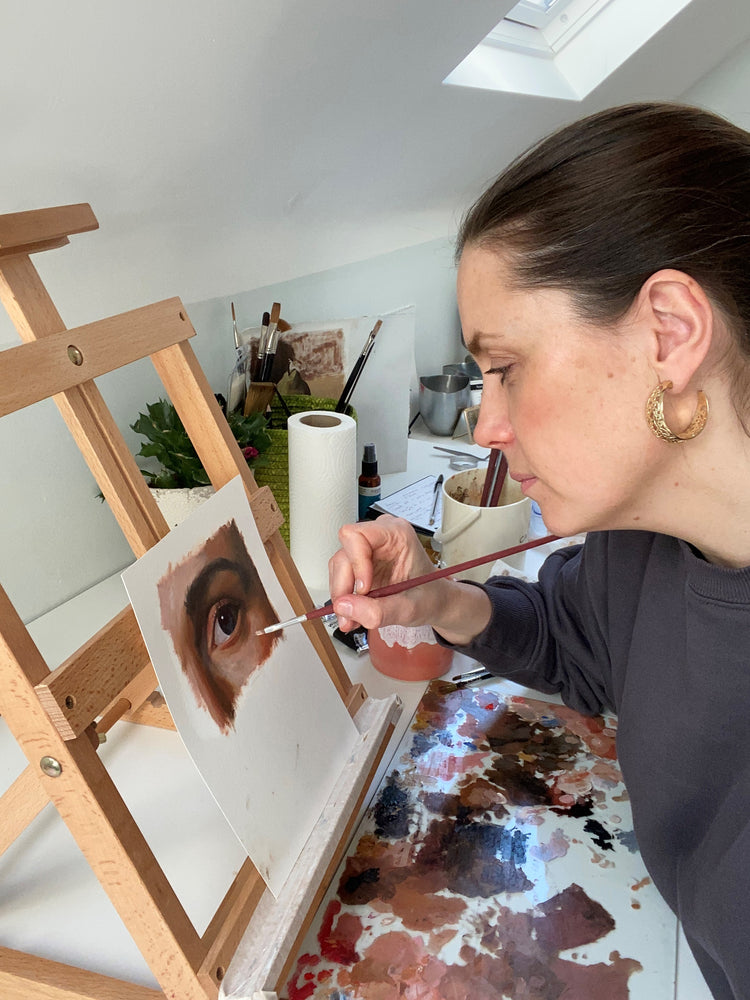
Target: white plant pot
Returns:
[176, 505]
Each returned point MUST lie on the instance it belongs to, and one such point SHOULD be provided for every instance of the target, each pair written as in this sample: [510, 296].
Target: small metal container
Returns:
[442, 399]
[458, 369]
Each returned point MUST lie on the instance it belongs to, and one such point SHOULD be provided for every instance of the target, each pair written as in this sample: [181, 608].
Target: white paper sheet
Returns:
[416, 504]
[273, 765]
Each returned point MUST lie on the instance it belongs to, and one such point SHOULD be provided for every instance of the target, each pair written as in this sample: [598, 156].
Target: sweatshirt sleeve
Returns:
[548, 635]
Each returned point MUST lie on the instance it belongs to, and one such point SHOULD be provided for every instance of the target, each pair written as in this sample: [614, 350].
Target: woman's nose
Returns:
[493, 428]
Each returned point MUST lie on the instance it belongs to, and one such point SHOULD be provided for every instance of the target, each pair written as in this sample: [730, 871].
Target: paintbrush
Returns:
[417, 581]
[356, 371]
[262, 341]
[270, 351]
[436, 497]
[493, 470]
[497, 486]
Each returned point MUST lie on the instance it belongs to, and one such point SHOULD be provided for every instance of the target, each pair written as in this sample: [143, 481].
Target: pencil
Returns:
[417, 581]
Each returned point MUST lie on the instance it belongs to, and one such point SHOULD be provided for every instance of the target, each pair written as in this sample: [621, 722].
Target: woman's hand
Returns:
[374, 554]
[387, 550]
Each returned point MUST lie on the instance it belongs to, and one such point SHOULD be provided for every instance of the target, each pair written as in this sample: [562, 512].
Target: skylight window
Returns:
[562, 48]
[535, 13]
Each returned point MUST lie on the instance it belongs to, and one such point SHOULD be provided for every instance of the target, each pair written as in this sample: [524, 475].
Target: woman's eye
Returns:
[501, 370]
[224, 620]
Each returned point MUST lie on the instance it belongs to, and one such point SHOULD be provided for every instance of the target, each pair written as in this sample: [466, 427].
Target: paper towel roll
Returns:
[322, 489]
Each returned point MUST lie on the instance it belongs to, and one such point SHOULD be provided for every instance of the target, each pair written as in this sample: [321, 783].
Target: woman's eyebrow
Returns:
[475, 343]
[196, 592]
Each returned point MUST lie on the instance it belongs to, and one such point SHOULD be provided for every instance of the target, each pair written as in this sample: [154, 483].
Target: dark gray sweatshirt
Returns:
[641, 624]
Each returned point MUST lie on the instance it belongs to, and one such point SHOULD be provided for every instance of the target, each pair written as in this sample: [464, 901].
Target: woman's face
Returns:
[564, 400]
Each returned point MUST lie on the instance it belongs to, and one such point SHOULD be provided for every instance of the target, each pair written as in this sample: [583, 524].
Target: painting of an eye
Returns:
[223, 622]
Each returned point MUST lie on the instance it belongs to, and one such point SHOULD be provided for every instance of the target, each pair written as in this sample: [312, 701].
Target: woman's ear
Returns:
[680, 322]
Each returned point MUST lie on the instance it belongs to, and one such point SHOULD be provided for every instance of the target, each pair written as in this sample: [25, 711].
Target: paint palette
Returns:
[497, 860]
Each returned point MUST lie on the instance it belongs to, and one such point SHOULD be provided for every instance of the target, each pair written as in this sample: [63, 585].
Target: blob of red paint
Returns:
[339, 944]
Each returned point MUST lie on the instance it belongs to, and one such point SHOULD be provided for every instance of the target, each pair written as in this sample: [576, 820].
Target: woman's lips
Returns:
[525, 482]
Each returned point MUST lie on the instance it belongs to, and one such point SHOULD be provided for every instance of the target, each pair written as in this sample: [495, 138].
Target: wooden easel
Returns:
[57, 716]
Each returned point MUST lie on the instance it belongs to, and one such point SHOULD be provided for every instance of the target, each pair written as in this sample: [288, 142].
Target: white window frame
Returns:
[530, 28]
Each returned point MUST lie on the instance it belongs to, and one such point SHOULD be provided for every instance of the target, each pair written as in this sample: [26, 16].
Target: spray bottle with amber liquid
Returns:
[369, 481]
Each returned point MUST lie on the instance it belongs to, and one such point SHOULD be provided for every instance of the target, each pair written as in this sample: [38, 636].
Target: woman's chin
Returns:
[562, 523]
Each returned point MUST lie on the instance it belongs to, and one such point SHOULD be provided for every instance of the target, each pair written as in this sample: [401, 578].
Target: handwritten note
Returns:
[414, 503]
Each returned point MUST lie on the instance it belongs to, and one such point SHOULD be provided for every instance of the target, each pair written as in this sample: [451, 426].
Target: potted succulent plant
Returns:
[179, 481]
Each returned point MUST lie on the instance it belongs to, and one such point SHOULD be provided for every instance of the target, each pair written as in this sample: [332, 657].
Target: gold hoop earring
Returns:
[657, 423]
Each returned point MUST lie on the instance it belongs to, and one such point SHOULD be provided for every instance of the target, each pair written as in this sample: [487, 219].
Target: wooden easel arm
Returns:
[97, 435]
[23, 976]
[19, 805]
[82, 687]
[228, 924]
[21, 230]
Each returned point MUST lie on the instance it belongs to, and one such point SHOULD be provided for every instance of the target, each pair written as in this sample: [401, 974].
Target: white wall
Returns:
[57, 539]
[725, 90]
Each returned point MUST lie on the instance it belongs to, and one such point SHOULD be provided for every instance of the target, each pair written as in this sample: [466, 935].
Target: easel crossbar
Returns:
[43, 368]
[82, 687]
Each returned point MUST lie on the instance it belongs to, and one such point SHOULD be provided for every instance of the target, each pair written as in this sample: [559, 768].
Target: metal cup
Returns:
[458, 369]
[442, 398]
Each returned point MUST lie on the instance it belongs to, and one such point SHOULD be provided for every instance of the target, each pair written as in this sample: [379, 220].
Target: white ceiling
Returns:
[227, 144]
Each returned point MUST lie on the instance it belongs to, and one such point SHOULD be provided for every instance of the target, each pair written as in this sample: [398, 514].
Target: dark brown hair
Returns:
[599, 206]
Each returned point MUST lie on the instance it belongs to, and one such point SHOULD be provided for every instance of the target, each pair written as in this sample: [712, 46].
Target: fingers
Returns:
[353, 610]
[372, 554]
[352, 565]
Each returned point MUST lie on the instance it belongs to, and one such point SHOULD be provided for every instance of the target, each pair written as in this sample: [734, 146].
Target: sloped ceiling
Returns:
[226, 144]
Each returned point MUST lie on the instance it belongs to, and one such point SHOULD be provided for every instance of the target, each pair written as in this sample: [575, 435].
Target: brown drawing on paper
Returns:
[212, 603]
[308, 362]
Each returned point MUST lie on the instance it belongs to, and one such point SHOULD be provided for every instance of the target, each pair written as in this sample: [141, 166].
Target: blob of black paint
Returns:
[349, 887]
[392, 811]
[579, 809]
[599, 834]
[478, 859]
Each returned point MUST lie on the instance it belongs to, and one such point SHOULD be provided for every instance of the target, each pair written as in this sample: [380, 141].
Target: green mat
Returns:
[275, 473]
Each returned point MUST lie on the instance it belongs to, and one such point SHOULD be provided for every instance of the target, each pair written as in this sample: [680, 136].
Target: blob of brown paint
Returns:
[570, 919]
[516, 963]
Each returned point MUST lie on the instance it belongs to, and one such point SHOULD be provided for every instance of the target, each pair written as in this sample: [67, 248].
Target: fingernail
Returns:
[344, 608]
[358, 586]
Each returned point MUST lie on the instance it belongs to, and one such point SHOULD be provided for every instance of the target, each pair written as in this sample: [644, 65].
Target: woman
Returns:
[604, 289]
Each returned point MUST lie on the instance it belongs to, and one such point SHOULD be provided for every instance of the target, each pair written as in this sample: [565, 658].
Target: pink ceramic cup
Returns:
[408, 654]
